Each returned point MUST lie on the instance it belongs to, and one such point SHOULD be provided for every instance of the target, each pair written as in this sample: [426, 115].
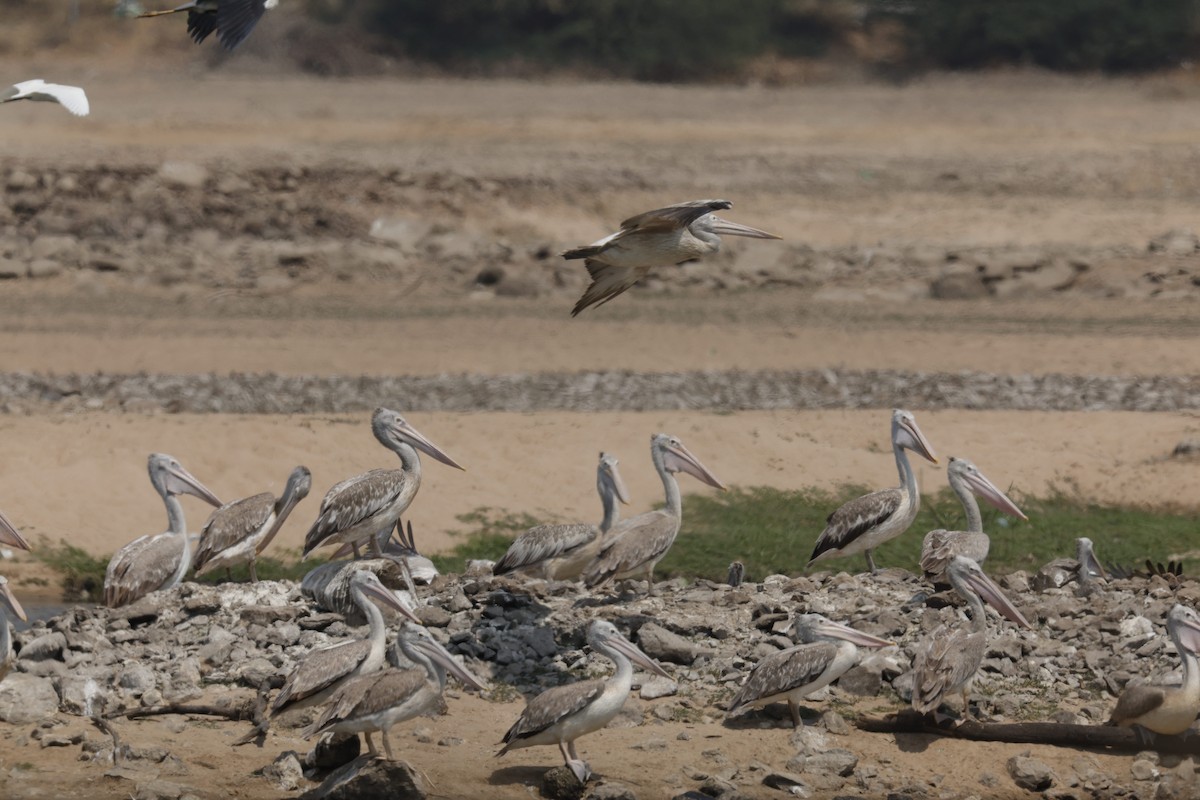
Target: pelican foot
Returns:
[1146, 737]
[581, 769]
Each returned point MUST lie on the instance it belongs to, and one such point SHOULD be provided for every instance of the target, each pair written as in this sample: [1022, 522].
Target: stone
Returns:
[560, 783]
[1030, 773]
[369, 778]
[285, 772]
[837, 761]
[183, 174]
[11, 268]
[662, 644]
[611, 790]
[26, 698]
[331, 752]
[958, 286]
[44, 268]
[835, 723]
[1143, 770]
[658, 687]
[862, 679]
[137, 679]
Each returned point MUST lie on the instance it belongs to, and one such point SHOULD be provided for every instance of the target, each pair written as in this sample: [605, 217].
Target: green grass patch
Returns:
[488, 534]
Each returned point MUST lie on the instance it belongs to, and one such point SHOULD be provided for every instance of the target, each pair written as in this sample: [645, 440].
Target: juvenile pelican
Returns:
[1089, 566]
[941, 545]
[1162, 709]
[659, 238]
[828, 649]
[396, 544]
[564, 713]
[7, 598]
[72, 98]
[158, 561]
[562, 552]
[358, 508]
[323, 671]
[231, 19]
[947, 661]
[10, 536]
[868, 521]
[377, 701]
[237, 532]
[635, 545]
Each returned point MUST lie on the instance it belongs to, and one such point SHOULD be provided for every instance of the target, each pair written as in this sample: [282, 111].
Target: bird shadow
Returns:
[914, 742]
[772, 717]
[522, 774]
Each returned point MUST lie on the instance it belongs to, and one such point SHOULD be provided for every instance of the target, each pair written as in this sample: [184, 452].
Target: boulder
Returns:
[26, 698]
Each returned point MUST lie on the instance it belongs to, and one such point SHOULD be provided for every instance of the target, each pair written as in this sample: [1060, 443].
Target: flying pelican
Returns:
[10, 536]
[72, 98]
[396, 544]
[231, 19]
[563, 551]
[237, 532]
[358, 508]
[323, 671]
[659, 238]
[868, 521]
[947, 661]
[941, 545]
[1161, 709]
[7, 598]
[635, 545]
[377, 701]
[158, 561]
[562, 714]
[828, 649]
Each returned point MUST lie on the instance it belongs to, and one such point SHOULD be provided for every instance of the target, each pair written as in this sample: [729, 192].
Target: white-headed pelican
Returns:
[1162, 709]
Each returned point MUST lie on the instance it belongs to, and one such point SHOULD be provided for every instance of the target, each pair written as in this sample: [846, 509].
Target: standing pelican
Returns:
[562, 714]
[10, 536]
[635, 545]
[7, 598]
[941, 545]
[72, 98]
[377, 701]
[158, 561]
[231, 19]
[868, 521]
[1162, 709]
[828, 649]
[358, 508]
[659, 238]
[323, 671]
[947, 661]
[562, 552]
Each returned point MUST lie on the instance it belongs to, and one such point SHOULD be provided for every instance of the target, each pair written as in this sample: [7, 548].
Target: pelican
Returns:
[377, 701]
[7, 598]
[231, 19]
[10, 536]
[635, 545]
[72, 98]
[1161, 709]
[158, 561]
[396, 544]
[828, 649]
[659, 238]
[562, 714]
[947, 661]
[868, 521]
[1089, 566]
[237, 532]
[358, 508]
[941, 545]
[322, 672]
[563, 551]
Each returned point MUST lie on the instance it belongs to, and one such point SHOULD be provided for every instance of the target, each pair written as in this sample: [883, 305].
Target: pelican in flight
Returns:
[947, 661]
[237, 532]
[659, 238]
[9, 600]
[941, 545]
[10, 536]
[377, 701]
[828, 649]
[562, 552]
[358, 508]
[398, 545]
[635, 545]
[562, 714]
[72, 98]
[1162, 709]
[868, 521]
[231, 19]
[324, 671]
[157, 561]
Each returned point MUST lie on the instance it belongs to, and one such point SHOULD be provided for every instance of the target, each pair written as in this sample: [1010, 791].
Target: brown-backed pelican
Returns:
[9, 600]
[158, 561]
[941, 545]
[635, 545]
[868, 521]
[377, 701]
[947, 661]
[237, 532]
[358, 508]
[828, 649]
[231, 19]
[1162, 709]
[72, 98]
[564, 713]
[659, 238]
[10, 536]
[1089, 566]
[561, 552]
[396, 544]
[323, 671]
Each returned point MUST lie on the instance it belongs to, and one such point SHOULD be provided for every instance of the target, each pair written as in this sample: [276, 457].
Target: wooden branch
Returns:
[236, 713]
[261, 721]
[1051, 733]
[107, 727]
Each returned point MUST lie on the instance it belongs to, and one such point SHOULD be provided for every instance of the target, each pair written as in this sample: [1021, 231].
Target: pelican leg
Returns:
[871, 563]
[228, 575]
[373, 547]
[576, 764]
[253, 572]
[354, 547]
[1145, 736]
[370, 745]
[794, 707]
[387, 746]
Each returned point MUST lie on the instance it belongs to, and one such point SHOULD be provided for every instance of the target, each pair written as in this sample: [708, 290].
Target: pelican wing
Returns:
[679, 215]
[784, 671]
[940, 547]
[544, 542]
[232, 524]
[235, 20]
[320, 670]
[856, 518]
[607, 282]
[551, 707]
[631, 544]
[944, 663]
[1136, 701]
[354, 500]
[369, 694]
[201, 24]
[141, 567]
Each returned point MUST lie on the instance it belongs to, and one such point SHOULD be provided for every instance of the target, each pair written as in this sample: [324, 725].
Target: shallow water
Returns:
[37, 610]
